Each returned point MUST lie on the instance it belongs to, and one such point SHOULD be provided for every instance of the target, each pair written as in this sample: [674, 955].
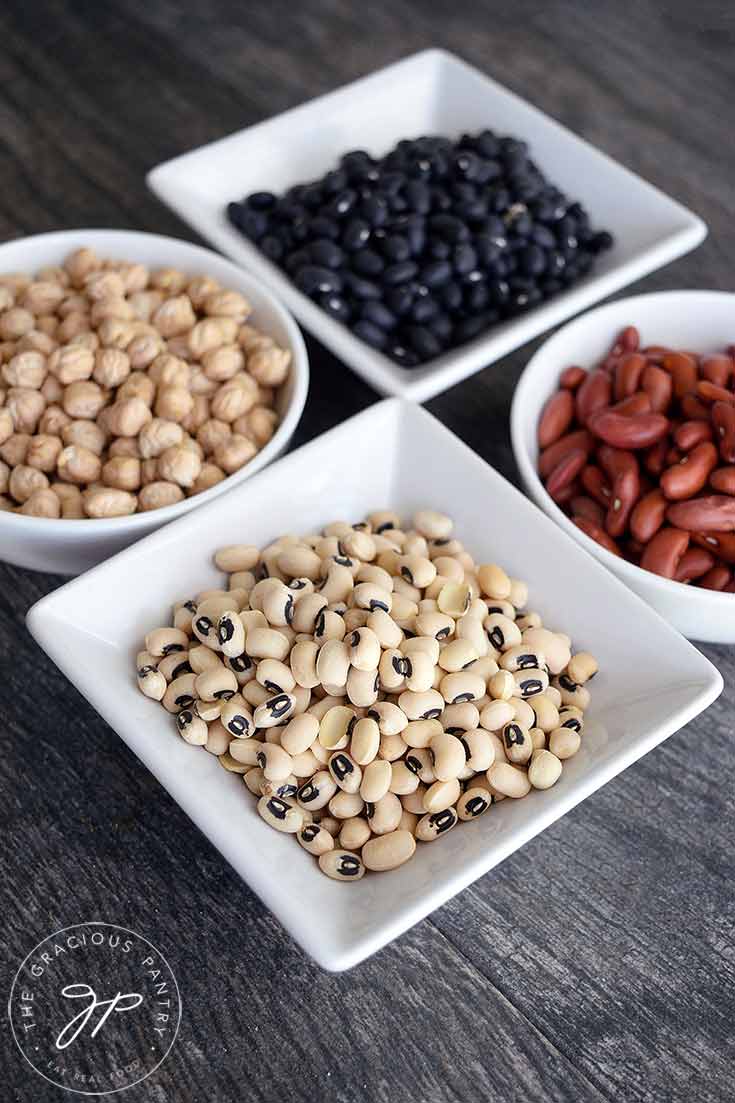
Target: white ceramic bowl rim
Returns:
[711, 599]
[299, 362]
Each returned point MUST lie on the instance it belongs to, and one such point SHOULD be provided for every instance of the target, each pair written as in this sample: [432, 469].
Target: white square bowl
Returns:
[432, 92]
[396, 455]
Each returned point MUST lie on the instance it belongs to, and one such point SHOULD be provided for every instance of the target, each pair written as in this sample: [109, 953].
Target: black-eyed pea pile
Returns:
[124, 389]
[372, 684]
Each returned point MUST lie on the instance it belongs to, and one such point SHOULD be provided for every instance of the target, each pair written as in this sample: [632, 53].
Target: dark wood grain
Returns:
[595, 964]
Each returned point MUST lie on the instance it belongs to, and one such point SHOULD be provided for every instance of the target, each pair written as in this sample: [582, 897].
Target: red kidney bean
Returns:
[663, 553]
[723, 421]
[717, 368]
[691, 433]
[571, 378]
[718, 578]
[596, 485]
[566, 471]
[639, 431]
[556, 452]
[627, 340]
[710, 392]
[723, 480]
[582, 506]
[730, 588]
[721, 544]
[597, 533]
[654, 458]
[628, 373]
[622, 470]
[659, 387]
[693, 408]
[673, 455]
[648, 515]
[690, 474]
[713, 513]
[638, 403]
[693, 564]
[683, 370]
[556, 418]
[655, 353]
[594, 394]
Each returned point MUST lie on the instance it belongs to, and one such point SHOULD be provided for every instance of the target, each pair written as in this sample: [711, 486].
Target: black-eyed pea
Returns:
[462, 686]
[303, 663]
[414, 802]
[523, 714]
[403, 779]
[417, 570]
[359, 545]
[266, 643]
[571, 693]
[502, 632]
[304, 765]
[522, 657]
[552, 645]
[333, 661]
[546, 712]
[341, 865]
[253, 778]
[353, 833]
[274, 710]
[184, 614]
[208, 710]
[419, 733]
[274, 762]
[420, 762]
[447, 566]
[343, 806]
[370, 572]
[479, 750]
[237, 557]
[307, 611]
[501, 686]
[454, 599]
[218, 739]
[365, 741]
[299, 734]
[462, 717]
[275, 676]
[242, 666]
[544, 769]
[421, 706]
[315, 839]
[201, 658]
[564, 742]
[529, 682]
[485, 667]
[427, 645]
[554, 696]
[382, 519]
[538, 739]
[328, 823]
[404, 611]
[345, 771]
[456, 655]
[299, 560]
[582, 667]
[384, 815]
[508, 780]
[364, 649]
[376, 780]
[385, 628]
[338, 584]
[474, 802]
[216, 684]
[321, 705]
[518, 595]
[317, 792]
[392, 747]
[336, 726]
[392, 670]
[205, 620]
[391, 719]
[300, 587]
[517, 743]
[570, 716]
[448, 756]
[437, 625]
[191, 727]
[408, 821]
[415, 544]
[362, 687]
[494, 582]
[151, 682]
[419, 671]
[232, 766]
[280, 813]
[237, 718]
[434, 824]
[164, 641]
[442, 795]
[432, 525]
[231, 634]
[388, 851]
[366, 595]
[329, 626]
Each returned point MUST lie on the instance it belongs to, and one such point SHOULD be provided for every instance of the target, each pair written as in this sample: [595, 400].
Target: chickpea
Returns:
[148, 472]
[14, 448]
[209, 476]
[77, 464]
[144, 349]
[42, 503]
[169, 371]
[87, 340]
[199, 290]
[174, 316]
[83, 399]
[8, 350]
[26, 407]
[200, 384]
[262, 423]
[115, 333]
[25, 369]
[7, 425]
[135, 276]
[15, 322]
[138, 385]
[70, 363]
[174, 403]
[107, 502]
[79, 264]
[122, 472]
[231, 401]
[213, 433]
[180, 465]
[36, 341]
[158, 494]
[169, 280]
[198, 414]
[128, 416]
[42, 297]
[4, 476]
[236, 451]
[104, 285]
[85, 433]
[223, 362]
[43, 452]
[52, 390]
[145, 303]
[269, 366]
[210, 333]
[24, 480]
[111, 367]
[72, 325]
[7, 298]
[158, 435]
[124, 446]
[46, 324]
[53, 420]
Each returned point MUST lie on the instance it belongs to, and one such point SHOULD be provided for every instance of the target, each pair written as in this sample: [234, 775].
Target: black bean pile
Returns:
[429, 246]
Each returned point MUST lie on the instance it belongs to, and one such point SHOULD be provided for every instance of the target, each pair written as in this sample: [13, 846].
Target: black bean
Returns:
[374, 210]
[342, 203]
[356, 234]
[261, 200]
[363, 289]
[272, 247]
[464, 258]
[399, 273]
[321, 226]
[451, 296]
[251, 223]
[396, 247]
[371, 334]
[436, 274]
[336, 306]
[423, 309]
[423, 342]
[367, 262]
[406, 357]
[313, 278]
[441, 327]
[400, 299]
[325, 252]
[450, 228]
[378, 314]
[533, 260]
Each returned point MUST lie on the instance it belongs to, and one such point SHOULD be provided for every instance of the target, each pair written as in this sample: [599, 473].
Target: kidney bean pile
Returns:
[425, 248]
[373, 686]
[640, 452]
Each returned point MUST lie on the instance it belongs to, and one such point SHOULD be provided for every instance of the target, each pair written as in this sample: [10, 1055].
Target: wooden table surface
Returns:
[598, 962]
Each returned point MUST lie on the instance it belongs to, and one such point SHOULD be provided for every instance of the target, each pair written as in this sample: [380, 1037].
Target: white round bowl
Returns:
[703, 321]
[69, 547]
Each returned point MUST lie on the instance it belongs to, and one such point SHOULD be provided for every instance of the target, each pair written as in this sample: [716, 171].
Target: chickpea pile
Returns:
[373, 685]
[124, 390]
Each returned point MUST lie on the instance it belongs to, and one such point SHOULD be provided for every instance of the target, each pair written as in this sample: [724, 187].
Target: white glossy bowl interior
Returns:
[432, 92]
[396, 455]
[703, 321]
[69, 547]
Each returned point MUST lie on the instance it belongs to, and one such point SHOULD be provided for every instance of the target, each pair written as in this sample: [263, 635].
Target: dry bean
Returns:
[341, 865]
[388, 851]
[434, 824]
